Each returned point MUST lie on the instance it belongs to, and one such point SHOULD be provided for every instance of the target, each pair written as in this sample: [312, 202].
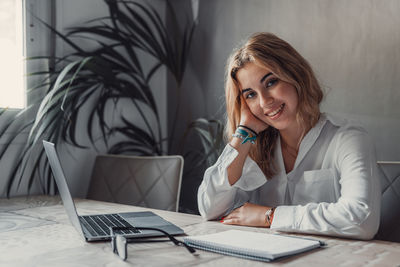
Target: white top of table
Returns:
[35, 231]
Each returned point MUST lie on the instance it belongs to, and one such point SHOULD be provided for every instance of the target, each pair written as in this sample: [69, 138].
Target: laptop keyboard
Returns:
[98, 225]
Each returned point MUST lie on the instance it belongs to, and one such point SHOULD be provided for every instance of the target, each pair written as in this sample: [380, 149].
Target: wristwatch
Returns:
[269, 215]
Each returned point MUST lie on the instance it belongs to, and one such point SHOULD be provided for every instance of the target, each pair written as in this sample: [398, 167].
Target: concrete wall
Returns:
[353, 46]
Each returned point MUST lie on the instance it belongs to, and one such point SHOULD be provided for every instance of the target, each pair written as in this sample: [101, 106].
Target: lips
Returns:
[276, 111]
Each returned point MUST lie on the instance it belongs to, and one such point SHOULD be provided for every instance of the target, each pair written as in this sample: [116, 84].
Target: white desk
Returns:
[35, 231]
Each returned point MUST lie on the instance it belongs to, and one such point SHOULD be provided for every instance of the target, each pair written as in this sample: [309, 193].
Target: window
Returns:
[12, 87]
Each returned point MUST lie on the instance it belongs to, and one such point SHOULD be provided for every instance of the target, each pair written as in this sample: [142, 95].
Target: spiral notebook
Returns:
[251, 245]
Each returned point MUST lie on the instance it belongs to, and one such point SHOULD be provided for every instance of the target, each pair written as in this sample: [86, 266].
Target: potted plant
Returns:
[92, 79]
[209, 136]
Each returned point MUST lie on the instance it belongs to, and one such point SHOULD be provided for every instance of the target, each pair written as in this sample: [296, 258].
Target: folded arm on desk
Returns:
[356, 213]
[216, 197]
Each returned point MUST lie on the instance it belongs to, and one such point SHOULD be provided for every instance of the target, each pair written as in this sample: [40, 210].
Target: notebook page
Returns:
[259, 244]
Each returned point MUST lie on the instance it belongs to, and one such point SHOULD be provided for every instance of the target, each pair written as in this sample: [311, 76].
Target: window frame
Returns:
[35, 42]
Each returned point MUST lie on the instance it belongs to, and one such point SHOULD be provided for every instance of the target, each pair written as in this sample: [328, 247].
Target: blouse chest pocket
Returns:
[315, 186]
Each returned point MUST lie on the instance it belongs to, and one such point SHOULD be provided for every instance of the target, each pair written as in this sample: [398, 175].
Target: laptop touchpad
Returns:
[144, 219]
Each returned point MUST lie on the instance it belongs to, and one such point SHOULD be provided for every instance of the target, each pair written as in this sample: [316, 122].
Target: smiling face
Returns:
[270, 99]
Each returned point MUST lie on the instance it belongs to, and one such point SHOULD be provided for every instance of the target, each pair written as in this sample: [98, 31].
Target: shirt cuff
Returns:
[227, 156]
[285, 218]
[252, 176]
[225, 159]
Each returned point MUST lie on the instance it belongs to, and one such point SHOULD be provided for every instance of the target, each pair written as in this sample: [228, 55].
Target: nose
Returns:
[266, 100]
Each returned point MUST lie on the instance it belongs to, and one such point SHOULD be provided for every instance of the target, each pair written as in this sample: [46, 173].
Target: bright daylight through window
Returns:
[12, 92]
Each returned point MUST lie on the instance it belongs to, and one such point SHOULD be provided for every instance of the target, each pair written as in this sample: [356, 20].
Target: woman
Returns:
[287, 166]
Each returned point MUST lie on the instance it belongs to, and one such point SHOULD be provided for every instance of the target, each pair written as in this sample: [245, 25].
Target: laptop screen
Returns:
[62, 185]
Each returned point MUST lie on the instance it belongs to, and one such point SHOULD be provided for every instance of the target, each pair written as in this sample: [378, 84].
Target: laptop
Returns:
[96, 227]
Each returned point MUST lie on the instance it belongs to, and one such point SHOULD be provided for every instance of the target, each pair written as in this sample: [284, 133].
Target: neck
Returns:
[292, 137]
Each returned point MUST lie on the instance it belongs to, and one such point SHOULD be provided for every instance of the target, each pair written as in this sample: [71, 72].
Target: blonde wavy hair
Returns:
[268, 50]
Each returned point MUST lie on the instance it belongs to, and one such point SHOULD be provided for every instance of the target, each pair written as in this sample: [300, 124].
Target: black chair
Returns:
[389, 228]
[152, 182]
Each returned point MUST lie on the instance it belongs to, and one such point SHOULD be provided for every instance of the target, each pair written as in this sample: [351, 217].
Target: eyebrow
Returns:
[261, 81]
[265, 77]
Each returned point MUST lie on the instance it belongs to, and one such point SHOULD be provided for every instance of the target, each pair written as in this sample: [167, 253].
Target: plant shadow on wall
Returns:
[85, 83]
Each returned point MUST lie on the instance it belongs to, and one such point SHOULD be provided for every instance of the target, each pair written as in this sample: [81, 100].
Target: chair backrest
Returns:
[389, 228]
[152, 182]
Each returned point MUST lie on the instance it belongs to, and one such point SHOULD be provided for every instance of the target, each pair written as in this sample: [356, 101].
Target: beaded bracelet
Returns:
[248, 128]
[245, 136]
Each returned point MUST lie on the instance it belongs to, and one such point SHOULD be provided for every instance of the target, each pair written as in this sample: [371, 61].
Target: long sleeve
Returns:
[216, 196]
[356, 212]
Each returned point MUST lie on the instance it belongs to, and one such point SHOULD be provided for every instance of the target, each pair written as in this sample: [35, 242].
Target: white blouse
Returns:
[333, 188]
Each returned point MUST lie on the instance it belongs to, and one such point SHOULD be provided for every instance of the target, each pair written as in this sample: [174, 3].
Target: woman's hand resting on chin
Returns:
[248, 119]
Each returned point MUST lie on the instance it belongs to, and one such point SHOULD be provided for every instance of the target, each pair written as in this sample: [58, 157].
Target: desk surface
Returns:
[35, 231]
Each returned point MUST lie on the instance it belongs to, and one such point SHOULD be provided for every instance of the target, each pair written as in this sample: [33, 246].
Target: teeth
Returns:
[273, 113]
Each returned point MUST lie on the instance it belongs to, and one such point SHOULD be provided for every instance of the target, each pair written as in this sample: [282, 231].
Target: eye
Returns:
[271, 82]
[249, 95]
